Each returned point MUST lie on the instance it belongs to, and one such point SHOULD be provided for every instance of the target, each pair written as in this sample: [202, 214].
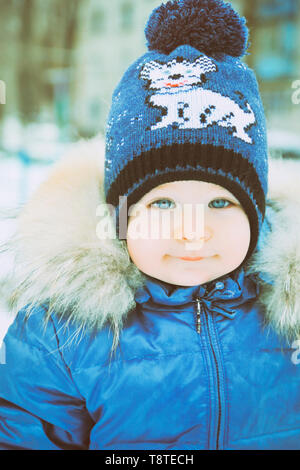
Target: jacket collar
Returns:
[224, 297]
[61, 260]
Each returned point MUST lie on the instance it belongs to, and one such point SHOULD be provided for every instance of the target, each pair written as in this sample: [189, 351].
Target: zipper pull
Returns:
[198, 317]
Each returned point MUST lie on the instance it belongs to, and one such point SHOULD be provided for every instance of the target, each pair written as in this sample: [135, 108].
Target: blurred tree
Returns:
[28, 78]
[39, 37]
[249, 12]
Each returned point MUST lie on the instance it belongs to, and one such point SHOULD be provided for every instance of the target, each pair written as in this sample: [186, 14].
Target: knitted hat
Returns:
[189, 109]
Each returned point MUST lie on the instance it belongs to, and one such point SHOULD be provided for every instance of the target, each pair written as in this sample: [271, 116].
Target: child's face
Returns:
[221, 236]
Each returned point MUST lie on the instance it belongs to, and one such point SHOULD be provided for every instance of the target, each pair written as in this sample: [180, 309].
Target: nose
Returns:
[194, 241]
[193, 236]
[196, 228]
[175, 76]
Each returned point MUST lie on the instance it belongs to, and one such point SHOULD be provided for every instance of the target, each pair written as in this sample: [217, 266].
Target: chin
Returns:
[189, 281]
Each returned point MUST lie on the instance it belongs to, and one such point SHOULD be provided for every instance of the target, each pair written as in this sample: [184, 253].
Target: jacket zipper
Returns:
[198, 329]
[198, 315]
[218, 385]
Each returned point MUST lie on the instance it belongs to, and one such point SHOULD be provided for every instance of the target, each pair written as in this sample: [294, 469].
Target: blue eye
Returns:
[162, 204]
[222, 201]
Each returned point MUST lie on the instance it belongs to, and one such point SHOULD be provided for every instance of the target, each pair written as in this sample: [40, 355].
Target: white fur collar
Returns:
[59, 256]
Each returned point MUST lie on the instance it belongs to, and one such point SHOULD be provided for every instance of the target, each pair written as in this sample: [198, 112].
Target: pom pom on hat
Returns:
[211, 26]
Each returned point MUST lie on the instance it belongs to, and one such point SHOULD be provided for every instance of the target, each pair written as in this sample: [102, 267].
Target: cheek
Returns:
[154, 225]
[145, 252]
[236, 234]
[242, 230]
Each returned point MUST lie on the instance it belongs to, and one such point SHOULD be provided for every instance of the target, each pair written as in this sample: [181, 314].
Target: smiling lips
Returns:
[191, 259]
[175, 85]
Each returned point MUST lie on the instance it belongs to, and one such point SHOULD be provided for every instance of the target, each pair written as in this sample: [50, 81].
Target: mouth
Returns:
[189, 258]
[176, 85]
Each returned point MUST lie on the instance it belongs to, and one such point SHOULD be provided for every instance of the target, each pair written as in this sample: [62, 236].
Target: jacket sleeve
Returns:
[40, 406]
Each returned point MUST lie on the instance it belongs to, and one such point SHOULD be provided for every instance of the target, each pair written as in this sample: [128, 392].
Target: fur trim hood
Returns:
[60, 260]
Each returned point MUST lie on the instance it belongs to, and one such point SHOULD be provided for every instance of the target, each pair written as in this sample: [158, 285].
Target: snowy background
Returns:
[26, 156]
[61, 61]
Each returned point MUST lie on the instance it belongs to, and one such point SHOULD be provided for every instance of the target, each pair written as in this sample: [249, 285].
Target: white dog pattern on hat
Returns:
[188, 105]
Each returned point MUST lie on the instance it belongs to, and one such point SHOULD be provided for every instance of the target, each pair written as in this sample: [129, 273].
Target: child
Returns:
[179, 342]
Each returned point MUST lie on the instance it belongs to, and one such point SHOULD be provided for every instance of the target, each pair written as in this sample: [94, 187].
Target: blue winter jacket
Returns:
[202, 367]
[195, 370]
